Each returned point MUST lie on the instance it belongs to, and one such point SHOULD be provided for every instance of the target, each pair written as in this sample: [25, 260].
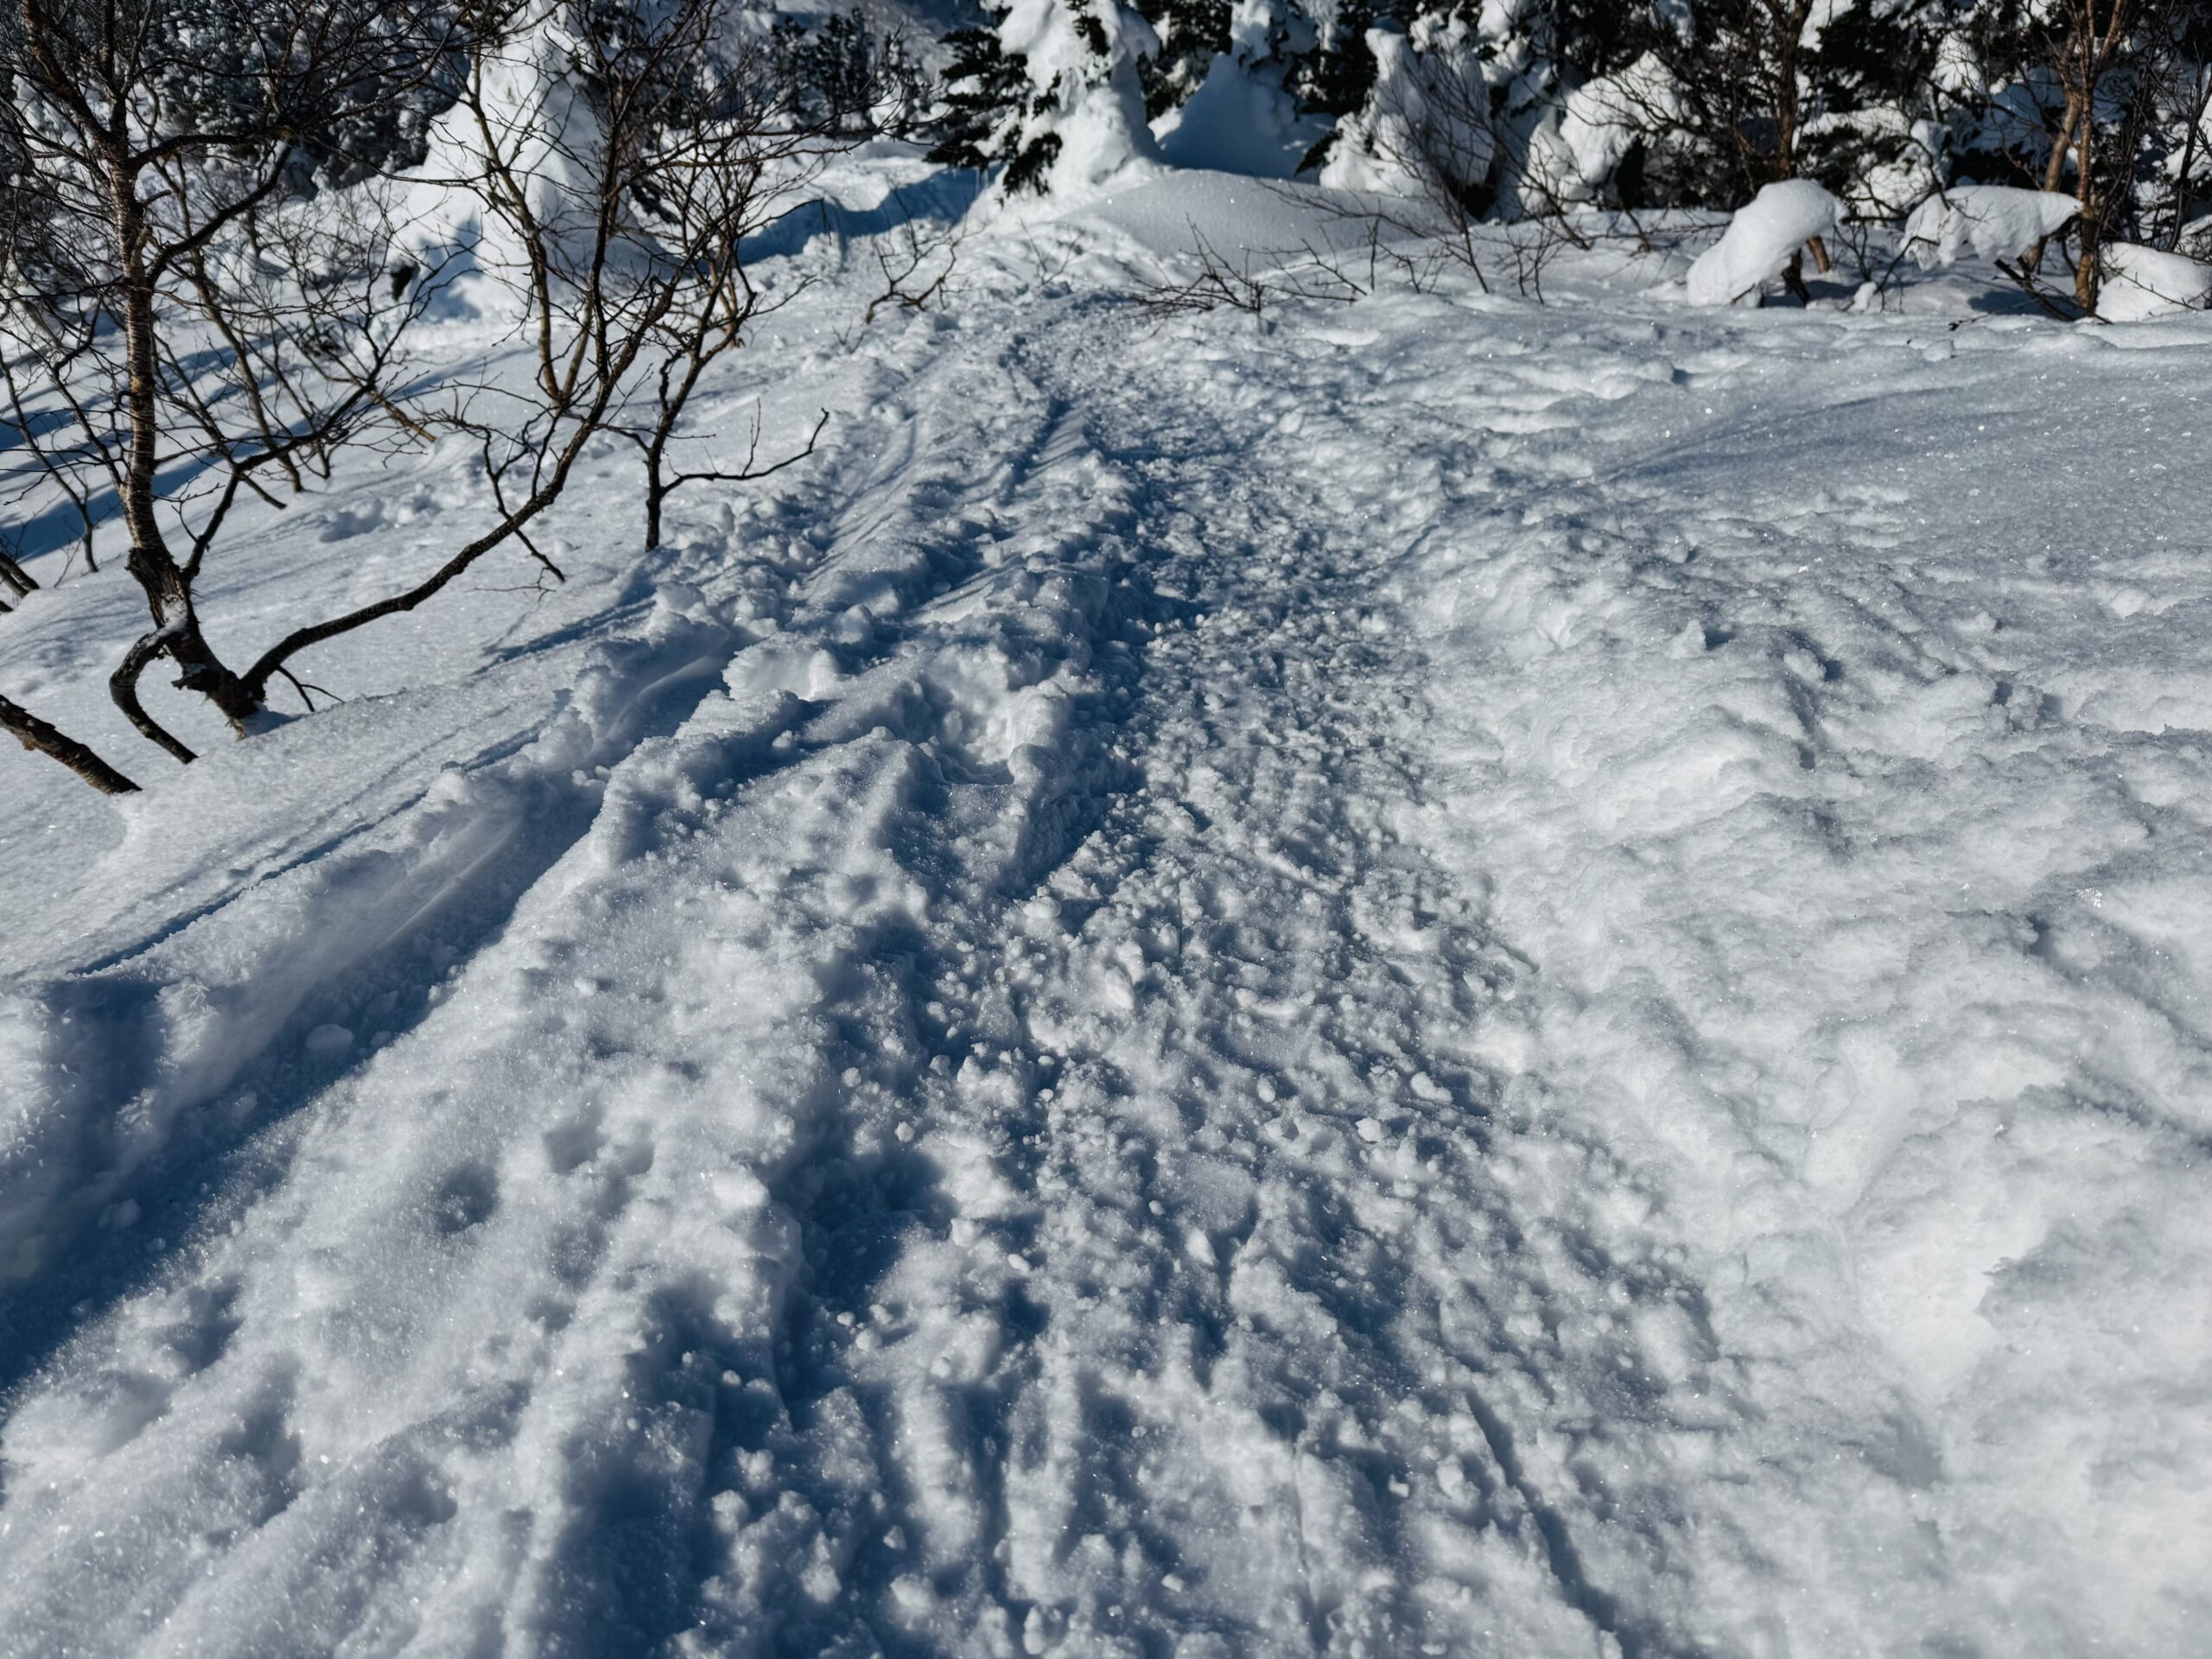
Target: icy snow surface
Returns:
[1441, 976]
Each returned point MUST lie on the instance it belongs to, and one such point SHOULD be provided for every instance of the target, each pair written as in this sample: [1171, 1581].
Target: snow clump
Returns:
[1998, 220]
[1761, 239]
[2141, 283]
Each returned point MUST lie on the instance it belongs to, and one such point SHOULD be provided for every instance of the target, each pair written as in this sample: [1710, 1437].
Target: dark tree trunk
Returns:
[167, 585]
[13, 575]
[37, 735]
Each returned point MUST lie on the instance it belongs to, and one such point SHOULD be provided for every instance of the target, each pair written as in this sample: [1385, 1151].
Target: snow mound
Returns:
[1165, 214]
[1760, 240]
[2142, 283]
[1999, 221]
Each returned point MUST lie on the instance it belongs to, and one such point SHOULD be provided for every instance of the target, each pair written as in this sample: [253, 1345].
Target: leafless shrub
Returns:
[209, 280]
[1251, 283]
[917, 259]
[169, 307]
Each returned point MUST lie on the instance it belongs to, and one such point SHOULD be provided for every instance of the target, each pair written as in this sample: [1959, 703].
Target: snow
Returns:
[1440, 975]
[1998, 220]
[1762, 237]
[1415, 135]
[1602, 118]
[2142, 283]
[1093, 103]
[1241, 118]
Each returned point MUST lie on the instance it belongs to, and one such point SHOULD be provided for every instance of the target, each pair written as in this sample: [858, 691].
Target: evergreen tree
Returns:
[1191, 33]
[1053, 94]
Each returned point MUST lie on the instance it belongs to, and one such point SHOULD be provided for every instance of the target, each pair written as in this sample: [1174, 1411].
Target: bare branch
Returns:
[40, 738]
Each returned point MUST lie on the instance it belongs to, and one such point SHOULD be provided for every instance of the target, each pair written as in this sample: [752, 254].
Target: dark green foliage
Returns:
[1190, 33]
[1870, 59]
[1030, 165]
[843, 74]
[984, 91]
[986, 102]
[1754, 105]
[1335, 76]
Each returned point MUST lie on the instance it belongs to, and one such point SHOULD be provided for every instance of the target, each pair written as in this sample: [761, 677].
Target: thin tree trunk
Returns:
[14, 575]
[122, 687]
[167, 588]
[2088, 272]
[656, 494]
[149, 550]
[40, 738]
[2053, 172]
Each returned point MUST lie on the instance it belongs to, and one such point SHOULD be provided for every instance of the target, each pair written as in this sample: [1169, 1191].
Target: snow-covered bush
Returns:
[1427, 127]
[845, 70]
[2139, 283]
[1762, 241]
[1519, 108]
[2105, 99]
[1190, 33]
[1242, 117]
[1998, 221]
[1604, 120]
[1702, 102]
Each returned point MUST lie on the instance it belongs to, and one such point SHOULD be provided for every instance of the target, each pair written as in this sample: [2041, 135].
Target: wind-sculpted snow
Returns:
[1437, 977]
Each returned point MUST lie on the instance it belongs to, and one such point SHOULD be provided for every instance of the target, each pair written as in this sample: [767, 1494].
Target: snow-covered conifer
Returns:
[1052, 95]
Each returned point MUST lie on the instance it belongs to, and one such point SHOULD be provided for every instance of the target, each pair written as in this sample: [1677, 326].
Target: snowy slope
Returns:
[1433, 977]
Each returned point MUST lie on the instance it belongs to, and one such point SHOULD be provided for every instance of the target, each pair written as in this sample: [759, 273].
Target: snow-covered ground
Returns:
[1439, 976]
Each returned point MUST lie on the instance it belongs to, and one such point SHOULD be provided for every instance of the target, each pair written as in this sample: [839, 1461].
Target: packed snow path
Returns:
[1443, 977]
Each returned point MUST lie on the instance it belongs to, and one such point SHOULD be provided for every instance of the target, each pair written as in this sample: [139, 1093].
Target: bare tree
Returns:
[723, 139]
[2111, 83]
[40, 738]
[208, 286]
[623, 195]
[178, 324]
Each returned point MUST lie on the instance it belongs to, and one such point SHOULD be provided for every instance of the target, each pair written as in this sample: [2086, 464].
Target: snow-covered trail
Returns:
[1445, 977]
[1330, 1302]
